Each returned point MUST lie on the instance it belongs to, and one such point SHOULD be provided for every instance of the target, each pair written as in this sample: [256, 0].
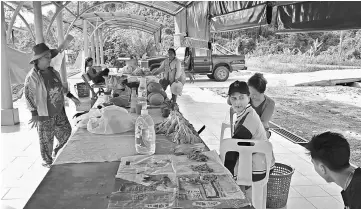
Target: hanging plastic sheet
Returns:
[319, 16]
[252, 17]
[18, 62]
[218, 8]
[198, 21]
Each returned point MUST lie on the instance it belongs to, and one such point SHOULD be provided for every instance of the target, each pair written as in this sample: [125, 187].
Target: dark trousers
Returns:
[165, 83]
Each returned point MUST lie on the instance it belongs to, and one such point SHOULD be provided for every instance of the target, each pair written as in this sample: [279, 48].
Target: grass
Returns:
[283, 63]
[305, 112]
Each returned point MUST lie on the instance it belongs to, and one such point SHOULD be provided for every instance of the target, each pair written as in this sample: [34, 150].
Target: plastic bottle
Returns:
[133, 100]
[145, 134]
[142, 92]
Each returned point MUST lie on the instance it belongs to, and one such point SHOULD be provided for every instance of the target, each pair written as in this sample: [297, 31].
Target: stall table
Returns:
[86, 184]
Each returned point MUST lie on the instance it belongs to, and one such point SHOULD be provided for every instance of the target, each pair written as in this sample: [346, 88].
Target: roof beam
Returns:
[56, 4]
[55, 15]
[98, 16]
[179, 4]
[23, 19]
[153, 7]
[13, 18]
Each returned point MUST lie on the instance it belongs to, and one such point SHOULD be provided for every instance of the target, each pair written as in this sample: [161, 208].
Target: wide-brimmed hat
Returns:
[40, 50]
[176, 88]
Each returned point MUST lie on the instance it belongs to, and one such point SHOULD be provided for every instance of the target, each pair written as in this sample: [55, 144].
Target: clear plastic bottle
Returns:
[133, 100]
[145, 134]
[142, 92]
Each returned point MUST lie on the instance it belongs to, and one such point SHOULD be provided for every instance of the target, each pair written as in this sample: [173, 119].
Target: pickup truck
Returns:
[216, 65]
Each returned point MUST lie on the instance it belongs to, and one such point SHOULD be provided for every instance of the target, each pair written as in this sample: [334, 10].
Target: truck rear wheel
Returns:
[221, 73]
[210, 76]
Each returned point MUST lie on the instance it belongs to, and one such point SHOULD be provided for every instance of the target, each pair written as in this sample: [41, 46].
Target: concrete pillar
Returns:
[9, 115]
[93, 49]
[60, 30]
[101, 46]
[86, 41]
[97, 53]
[38, 21]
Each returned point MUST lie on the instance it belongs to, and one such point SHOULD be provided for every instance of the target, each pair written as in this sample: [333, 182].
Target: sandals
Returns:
[47, 165]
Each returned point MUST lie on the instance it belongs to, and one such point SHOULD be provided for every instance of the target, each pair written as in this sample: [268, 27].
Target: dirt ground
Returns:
[306, 111]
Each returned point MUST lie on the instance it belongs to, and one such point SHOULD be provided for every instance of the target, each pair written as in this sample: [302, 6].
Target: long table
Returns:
[84, 185]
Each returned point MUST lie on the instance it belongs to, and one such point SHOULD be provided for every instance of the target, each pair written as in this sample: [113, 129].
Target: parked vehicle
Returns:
[216, 64]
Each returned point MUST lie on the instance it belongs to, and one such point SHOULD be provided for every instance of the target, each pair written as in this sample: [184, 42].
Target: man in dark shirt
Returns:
[330, 153]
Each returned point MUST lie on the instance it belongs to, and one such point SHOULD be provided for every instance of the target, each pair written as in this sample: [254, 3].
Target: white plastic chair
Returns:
[228, 125]
[244, 173]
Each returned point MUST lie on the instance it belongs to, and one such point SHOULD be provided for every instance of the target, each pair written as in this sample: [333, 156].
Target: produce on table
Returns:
[141, 72]
[178, 128]
[154, 87]
[185, 149]
[201, 179]
[197, 156]
[203, 168]
[156, 99]
[121, 101]
[149, 95]
[162, 92]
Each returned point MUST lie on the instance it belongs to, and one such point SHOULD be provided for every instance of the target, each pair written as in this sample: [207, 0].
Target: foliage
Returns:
[313, 48]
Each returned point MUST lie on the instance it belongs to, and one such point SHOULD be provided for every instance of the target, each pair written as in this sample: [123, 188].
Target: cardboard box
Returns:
[85, 104]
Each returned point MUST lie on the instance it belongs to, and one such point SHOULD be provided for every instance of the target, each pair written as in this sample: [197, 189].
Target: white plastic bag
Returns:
[83, 120]
[114, 120]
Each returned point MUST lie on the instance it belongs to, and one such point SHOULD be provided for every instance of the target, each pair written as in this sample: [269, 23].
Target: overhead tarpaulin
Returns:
[218, 8]
[247, 18]
[319, 16]
[198, 21]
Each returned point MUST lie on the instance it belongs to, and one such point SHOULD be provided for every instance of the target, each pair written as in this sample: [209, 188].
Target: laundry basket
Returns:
[278, 186]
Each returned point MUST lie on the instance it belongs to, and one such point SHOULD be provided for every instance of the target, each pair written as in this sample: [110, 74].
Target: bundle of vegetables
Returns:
[203, 168]
[201, 179]
[197, 156]
[178, 128]
[141, 71]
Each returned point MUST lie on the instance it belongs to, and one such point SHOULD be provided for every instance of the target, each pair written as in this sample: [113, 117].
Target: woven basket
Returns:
[278, 186]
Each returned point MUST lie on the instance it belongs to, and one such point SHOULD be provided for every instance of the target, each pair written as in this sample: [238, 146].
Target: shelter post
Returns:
[97, 54]
[9, 115]
[86, 43]
[38, 21]
[101, 46]
[93, 48]
[60, 30]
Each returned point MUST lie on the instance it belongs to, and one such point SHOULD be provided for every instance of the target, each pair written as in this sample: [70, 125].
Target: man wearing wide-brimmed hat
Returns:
[44, 93]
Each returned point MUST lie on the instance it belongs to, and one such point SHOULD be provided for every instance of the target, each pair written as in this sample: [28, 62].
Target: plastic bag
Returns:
[114, 120]
[83, 120]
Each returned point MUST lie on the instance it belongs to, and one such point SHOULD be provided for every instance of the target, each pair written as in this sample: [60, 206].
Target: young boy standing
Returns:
[330, 153]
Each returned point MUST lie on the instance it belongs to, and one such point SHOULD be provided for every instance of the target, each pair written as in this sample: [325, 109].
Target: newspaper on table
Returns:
[168, 181]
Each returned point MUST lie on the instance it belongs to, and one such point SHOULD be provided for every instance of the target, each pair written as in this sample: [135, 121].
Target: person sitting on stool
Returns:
[173, 72]
[96, 77]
